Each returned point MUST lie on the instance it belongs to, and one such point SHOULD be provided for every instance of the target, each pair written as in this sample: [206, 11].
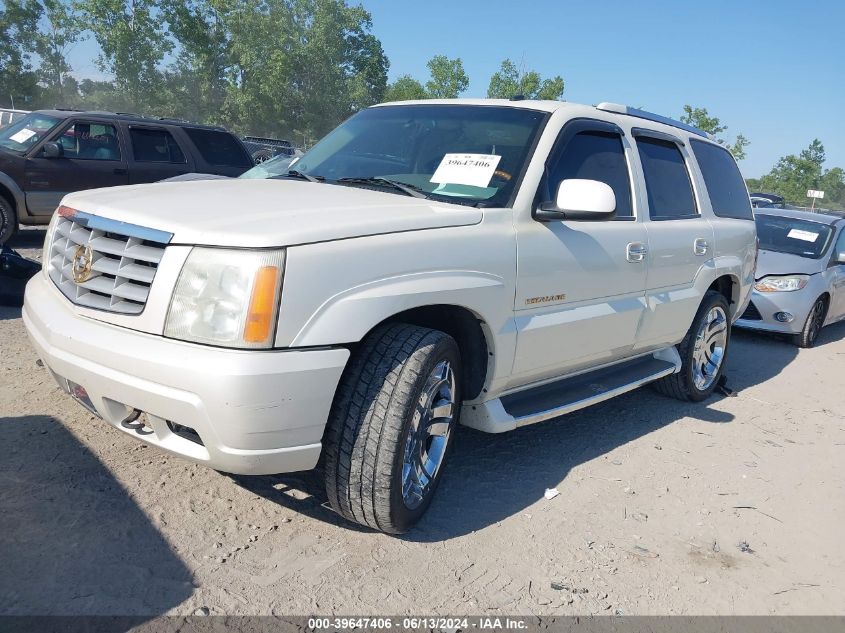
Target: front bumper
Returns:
[254, 412]
[797, 303]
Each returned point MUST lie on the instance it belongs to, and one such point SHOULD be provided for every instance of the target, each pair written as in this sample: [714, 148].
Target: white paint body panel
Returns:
[356, 257]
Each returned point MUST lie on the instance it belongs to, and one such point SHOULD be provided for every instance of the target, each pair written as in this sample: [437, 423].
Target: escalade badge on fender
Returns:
[83, 260]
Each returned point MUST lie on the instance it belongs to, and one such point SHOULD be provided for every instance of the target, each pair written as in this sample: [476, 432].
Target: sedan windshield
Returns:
[26, 132]
[460, 153]
[793, 236]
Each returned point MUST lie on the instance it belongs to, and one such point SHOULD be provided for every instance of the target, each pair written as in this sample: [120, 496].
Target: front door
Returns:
[581, 285]
[837, 284]
[92, 157]
[680, 240]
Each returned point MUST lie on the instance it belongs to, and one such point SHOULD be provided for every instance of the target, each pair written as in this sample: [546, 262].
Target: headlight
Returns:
[787, 283]
[227, 297]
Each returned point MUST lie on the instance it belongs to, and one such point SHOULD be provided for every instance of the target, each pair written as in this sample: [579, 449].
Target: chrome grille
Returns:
[124, 260]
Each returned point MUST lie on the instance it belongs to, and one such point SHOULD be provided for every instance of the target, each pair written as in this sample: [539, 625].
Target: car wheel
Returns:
[8, 220]
[703, 352]
[391, 426]
[813, 325]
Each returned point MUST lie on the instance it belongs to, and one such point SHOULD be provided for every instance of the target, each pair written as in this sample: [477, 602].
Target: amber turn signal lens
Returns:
[259, 320]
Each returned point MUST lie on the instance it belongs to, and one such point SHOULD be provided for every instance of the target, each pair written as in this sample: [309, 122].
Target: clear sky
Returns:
[771, 69]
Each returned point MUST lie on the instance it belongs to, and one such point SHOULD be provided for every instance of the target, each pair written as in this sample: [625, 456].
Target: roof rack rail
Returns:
[650, 116]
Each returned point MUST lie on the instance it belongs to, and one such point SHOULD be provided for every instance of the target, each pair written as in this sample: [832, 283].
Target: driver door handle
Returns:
[636, 252]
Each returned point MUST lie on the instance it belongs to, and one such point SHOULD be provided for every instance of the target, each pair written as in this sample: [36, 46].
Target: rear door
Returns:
[581, 285]
[93, 156]
[156, 154]
[680, 240]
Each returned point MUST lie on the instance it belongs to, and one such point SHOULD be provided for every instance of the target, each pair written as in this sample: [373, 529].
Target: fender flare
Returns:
[17, 194]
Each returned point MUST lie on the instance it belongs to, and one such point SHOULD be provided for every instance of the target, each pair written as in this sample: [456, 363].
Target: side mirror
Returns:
[579, 199]
[53, 150]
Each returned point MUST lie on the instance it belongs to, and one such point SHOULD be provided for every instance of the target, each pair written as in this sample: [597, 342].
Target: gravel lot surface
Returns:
[733, 506]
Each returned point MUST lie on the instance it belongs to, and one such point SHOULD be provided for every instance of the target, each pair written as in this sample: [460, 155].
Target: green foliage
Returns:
[18, 27]
[508, 81]
[405, 88]
[448, 79]
[700, 118]
[793, 175]
[61, 29]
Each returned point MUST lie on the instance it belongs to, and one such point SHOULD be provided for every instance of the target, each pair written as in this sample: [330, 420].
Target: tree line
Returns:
[289, 68]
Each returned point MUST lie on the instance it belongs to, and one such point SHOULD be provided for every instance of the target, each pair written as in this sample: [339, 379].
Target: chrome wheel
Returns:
[709, 351]
[428, 435]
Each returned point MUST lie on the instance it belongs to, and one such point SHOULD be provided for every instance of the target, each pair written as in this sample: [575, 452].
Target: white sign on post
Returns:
[812, 193]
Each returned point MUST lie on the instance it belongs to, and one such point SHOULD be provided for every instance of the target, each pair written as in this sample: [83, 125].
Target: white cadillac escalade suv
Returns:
[493, 263]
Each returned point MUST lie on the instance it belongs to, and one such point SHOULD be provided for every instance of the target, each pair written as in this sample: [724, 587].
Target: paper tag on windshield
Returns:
[807, 236]
[22, 136]
[475, 170]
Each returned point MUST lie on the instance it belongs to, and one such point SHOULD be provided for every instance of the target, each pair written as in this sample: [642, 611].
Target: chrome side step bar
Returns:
[570, 394]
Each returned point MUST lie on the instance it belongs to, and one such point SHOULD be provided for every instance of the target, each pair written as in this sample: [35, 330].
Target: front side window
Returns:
[155, 146]
[26, 132]
[728, 195]
[466, 154]
[90, 141]
[595, 156]
[667, 180]
[792, 236]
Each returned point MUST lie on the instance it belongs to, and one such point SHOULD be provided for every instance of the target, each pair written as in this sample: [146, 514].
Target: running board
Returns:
[569, 394]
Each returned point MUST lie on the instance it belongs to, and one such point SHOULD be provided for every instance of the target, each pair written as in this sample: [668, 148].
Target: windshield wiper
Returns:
[298, 174]
[411, 190]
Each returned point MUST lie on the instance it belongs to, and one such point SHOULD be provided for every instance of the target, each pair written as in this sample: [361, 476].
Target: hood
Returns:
[773, 263]
[259, 213]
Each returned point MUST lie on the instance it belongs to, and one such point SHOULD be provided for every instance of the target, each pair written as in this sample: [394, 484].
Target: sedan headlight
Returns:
[227, 297]
[786, 283]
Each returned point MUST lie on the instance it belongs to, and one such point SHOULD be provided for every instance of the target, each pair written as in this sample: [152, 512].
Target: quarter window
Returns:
[667, 180]
[155, 146]
[90, 141]
[728, 194]
[219, 148]
[595, 156]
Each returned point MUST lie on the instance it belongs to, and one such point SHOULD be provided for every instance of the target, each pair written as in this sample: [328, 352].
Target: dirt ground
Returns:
[733, 506]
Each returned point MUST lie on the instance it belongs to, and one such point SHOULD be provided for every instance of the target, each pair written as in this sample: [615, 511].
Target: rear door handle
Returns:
[636, 251]
[701, 246]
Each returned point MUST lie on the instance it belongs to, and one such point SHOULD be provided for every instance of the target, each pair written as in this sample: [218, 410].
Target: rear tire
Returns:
[813, 325]
[391, 425]
[703, 352]
[8, 220]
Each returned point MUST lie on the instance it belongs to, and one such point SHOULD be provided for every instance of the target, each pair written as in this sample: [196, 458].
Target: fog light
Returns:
[784, 317]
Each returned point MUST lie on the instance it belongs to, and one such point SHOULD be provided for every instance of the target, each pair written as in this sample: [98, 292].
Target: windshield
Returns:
[790, 235]
[461, 153]
[276, 166]
[26, 132]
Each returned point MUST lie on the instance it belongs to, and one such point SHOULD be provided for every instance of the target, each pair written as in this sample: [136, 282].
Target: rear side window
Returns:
[728, 194]
[219, 148]
[155, 146]
[595, 156]
[667, 180]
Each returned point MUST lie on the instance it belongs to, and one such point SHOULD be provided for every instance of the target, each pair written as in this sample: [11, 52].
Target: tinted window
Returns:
[155, 146]
[666, 178]
[219, 148]
[90, 141]
[791, 235]
[728, 194]
[595, 156]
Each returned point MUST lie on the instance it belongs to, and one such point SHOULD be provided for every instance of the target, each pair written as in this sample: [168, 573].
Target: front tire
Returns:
[391, 426]
[813, 325]
[703, 352]
[8, 220]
